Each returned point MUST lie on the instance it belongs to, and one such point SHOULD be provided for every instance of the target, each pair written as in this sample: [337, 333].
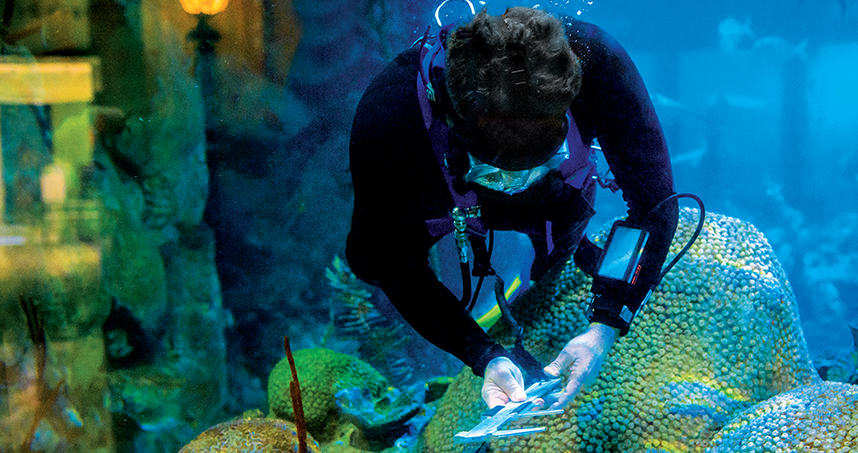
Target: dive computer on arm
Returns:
[618, 293]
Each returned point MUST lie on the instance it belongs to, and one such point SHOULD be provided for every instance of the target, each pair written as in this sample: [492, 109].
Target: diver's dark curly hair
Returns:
[485, 59]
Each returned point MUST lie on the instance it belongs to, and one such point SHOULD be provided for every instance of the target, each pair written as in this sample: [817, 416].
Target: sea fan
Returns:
[381, 342]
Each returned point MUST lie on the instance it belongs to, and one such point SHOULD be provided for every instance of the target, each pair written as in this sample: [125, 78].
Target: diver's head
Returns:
[511, 79]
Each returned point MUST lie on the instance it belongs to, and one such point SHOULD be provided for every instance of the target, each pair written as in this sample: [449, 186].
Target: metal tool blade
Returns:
[490, 426]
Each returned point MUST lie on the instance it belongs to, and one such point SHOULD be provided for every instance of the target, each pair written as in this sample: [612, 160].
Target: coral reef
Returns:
[810, 419]
[323, 373]
[720, 334]
[254, 435]
[349, 406]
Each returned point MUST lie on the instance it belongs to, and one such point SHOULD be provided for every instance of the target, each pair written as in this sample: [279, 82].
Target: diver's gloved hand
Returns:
[582, 357]
[503, 383]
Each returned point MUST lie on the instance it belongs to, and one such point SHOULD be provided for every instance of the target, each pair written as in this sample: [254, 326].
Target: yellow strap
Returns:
[491, 317]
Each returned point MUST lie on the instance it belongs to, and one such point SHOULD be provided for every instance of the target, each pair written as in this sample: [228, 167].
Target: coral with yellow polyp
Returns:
[719, 334]
[254, 435]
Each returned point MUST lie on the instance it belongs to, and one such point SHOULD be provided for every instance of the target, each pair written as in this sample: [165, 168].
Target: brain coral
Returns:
[719, 334]
[322, 373]
[255, 435]
[810, 419]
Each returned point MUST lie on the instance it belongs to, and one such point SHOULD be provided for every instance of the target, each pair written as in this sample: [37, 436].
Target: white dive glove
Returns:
[503, 382]
[582, 357]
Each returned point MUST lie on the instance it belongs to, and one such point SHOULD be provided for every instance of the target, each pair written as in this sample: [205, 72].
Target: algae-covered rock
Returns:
[258, 435]
[719, 334]
[810, 419]
[321, 373]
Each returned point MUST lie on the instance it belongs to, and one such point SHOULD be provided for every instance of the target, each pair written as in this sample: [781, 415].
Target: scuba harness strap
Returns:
[467, 224]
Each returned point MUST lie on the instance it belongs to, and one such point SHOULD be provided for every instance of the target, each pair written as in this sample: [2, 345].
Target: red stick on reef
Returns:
[297, 406]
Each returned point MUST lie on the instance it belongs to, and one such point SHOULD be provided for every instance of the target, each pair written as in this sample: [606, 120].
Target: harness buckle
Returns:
[460, 224]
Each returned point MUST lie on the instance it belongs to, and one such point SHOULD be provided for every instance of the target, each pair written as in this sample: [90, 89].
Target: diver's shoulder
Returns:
[580, 30]
[591, 42]
[408, 58]
[391, 97]
[399, 72]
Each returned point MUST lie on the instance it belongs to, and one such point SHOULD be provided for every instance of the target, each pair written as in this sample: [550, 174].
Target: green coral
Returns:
[254, 435]
[321, 373]
[719, 334]
[810, 419]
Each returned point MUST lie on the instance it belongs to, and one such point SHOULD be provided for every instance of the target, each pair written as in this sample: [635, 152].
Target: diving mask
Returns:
[512, 182]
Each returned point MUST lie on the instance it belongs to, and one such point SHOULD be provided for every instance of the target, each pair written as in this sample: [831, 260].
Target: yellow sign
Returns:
[37, 83]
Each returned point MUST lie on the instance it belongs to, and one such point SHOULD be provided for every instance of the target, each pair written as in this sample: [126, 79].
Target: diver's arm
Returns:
[398, 263]
[632, 140]
[438, 316]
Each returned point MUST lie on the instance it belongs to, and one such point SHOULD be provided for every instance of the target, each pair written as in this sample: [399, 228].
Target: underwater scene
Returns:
[446, 226]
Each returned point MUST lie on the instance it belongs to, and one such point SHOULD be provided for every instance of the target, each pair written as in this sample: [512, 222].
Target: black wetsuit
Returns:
[399, 186]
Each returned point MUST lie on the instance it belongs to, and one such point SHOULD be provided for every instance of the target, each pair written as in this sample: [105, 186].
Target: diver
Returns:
[489, 127]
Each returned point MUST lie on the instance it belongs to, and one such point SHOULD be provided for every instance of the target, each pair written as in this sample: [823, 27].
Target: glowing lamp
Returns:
[205, 36]
[208, 7]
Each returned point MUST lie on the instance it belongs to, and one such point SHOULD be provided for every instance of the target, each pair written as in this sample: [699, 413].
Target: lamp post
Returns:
[205, 36]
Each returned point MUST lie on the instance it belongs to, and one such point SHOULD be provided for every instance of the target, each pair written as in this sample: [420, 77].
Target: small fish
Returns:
[73, 417]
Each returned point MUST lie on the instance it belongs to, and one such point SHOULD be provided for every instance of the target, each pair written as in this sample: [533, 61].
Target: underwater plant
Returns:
[380, 340]
[252, 432]
[349, 403]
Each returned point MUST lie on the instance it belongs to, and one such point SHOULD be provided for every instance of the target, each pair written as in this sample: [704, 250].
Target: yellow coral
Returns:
[255, 435]
[321, 373]
[719, 334]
